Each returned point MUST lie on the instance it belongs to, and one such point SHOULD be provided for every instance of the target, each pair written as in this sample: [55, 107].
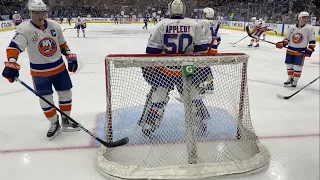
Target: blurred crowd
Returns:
[277, 11]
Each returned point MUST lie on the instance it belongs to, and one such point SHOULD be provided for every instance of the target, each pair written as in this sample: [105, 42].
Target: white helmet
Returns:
[15, 12]
[37, 5]
[79, 17]
[258, 22]
[253, 19]
[176, 7]
[208, 12]
[302, 14]
[260, 19]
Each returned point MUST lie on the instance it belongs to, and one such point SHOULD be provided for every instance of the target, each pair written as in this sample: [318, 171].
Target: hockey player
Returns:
[301, 42]
[155, 20]
[177, 35]
[80, 24]
[116, 21]
[61, 19]
[16, 18]
[264, 26]
[258, 30]
[145, 20]
[45, 44]
[69, 20]
[211, 32]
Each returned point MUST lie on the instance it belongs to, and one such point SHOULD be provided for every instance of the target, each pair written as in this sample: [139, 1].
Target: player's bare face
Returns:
[304, 20]
[38, 17]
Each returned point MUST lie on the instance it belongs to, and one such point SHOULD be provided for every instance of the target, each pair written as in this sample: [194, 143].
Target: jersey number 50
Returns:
[177, 43]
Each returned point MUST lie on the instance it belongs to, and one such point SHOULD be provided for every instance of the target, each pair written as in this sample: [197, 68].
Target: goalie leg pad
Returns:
[153, 111]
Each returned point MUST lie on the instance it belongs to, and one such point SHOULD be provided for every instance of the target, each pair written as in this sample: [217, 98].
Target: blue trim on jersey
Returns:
[297, 49]
[151, 50]
[14, 45]
[312, 42]
[202, 47]
[65, 102]
[46, 66]
[218, 39]
[38, 27]
[47, 109]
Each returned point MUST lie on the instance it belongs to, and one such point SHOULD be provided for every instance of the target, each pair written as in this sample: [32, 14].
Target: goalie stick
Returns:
[106, 144]
[288, 97]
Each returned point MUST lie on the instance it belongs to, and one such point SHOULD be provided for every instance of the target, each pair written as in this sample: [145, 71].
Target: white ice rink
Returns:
[288, 128]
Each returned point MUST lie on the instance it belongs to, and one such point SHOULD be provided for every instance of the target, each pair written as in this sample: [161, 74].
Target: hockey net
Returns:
[187, 117]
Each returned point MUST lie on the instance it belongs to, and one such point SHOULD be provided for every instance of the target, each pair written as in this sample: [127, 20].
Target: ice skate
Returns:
[288, 82]
[55, 130]
[257, 45]
[250, 45]
[68, 126]
[294, 83]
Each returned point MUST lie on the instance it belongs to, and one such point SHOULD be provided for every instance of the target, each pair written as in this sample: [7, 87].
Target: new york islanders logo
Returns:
[297, 38]
[47, 47]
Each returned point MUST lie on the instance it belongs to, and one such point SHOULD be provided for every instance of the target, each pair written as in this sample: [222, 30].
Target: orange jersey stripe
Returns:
[49, 73]
[170, 73]
[12, 53]
[295, 53]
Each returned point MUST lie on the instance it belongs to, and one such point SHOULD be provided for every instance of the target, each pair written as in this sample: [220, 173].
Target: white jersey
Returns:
[299, 39]
[43, 47]
[177, 36]
[16, 18]
[210, 29]
[79, 22]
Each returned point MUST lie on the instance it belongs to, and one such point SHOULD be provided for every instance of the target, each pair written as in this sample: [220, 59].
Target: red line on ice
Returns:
[94, 147]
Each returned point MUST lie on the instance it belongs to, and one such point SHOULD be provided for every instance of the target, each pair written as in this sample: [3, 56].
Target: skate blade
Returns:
[55, 135]
[66, 129]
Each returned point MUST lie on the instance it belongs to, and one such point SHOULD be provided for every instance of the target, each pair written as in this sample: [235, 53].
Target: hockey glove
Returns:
[11, 71]
[280, 44]
[309, 51]
[72, 62]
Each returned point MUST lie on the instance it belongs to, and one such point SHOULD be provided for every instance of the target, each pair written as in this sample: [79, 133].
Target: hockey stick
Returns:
[66, 29]
[249, 34]
[106, 144]
[288, 97]
[239, 40]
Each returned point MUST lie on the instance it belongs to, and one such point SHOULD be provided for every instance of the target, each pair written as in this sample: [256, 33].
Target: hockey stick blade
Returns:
[283, 97]
[120, 142]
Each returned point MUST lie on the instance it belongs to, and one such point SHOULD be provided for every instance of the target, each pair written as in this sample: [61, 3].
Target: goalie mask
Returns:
[176, 8]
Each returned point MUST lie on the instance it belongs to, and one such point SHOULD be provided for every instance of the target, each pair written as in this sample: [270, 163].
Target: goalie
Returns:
[177, 35]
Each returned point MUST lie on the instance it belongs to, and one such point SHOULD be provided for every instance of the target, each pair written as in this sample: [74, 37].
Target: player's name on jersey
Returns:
[178, 29]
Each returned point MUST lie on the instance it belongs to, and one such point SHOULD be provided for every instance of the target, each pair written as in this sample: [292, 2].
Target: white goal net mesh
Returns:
[186, 116]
